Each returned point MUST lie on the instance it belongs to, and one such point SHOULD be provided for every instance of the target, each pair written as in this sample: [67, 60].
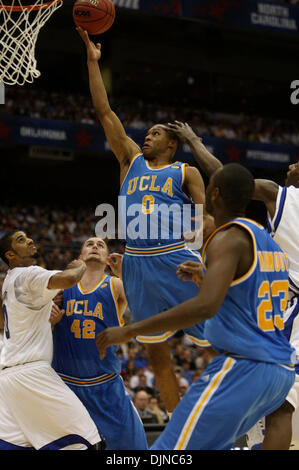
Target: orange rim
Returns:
[40, 6]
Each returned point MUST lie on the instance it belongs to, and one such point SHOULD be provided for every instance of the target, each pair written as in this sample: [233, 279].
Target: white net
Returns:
[20, 25]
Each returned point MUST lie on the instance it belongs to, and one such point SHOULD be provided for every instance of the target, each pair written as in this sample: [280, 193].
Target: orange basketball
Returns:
[95, 16]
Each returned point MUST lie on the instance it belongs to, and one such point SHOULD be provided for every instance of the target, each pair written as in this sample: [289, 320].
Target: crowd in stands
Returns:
[141, 115]
[58, 231]
[189, 362]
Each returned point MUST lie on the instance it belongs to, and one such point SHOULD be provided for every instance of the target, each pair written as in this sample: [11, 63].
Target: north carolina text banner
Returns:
[272, 16]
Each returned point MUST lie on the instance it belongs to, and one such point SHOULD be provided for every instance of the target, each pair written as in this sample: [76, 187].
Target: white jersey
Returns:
[27, 304]
[284, 229]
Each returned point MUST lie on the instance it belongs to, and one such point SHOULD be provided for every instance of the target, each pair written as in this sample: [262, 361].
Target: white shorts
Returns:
[38, 410]
[291, 319]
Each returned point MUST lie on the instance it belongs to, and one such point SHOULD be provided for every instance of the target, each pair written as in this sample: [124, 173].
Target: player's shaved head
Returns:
[236, 185]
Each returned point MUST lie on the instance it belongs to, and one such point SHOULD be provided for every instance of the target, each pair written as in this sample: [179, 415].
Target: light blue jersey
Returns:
[155, 246]
[250, 322]
[96, 382]
[253, 373]
[156, 195]
[87, 313]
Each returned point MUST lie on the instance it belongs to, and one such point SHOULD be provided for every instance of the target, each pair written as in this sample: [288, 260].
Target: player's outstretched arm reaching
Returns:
[206, 161]
[122, 146]
[225, 260]
[69, 277]
[265, 190]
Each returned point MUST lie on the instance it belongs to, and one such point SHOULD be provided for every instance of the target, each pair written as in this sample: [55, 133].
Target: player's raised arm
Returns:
[266, 191]
[206, 161]
[121, 145]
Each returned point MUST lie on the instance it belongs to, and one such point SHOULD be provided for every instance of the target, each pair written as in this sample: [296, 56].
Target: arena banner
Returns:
[19, 130]
[272, 16]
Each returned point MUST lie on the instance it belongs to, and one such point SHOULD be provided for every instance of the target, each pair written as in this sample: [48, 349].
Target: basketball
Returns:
[95, 16]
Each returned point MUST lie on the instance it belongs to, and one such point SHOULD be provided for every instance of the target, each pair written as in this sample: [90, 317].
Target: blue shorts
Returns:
[151, 286]
[224, 403]
[114, 414]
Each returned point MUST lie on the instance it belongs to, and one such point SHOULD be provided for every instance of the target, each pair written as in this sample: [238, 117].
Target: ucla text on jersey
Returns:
[154, 209]
[87, 313]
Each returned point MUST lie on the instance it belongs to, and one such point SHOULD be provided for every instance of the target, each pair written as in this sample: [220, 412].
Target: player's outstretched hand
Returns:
[114, 261]
[190, 271]
[182, 130]
[56, 315]
[116, 335]
[75, 264]
[93, 50]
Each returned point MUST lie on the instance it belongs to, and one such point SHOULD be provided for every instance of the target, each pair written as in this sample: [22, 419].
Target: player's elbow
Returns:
[103, 112]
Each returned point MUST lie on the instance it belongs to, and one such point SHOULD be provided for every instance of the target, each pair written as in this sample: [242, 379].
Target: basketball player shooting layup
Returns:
[149, 179]
[38, 411]
[282, 203]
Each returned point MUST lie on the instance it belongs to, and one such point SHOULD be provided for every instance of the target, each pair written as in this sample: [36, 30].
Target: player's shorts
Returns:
[38, 411]
[224, 403]
[291, 316]
[255, 436]
[151, 286]
[291, 319]
[113, 412]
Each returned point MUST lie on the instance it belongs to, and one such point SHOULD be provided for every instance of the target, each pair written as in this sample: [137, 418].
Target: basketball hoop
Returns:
[20, 25]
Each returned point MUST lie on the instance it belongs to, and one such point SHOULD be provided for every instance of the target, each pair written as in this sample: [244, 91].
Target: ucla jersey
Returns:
[87, 313]
[154, 210]
[250, 322]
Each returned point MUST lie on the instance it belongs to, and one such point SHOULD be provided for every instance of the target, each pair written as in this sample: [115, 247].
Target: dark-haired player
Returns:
[38, 411]
[241, 302]
[153, 185]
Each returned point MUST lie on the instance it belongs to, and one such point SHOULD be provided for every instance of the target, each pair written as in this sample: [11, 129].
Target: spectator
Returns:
[183, 386]
[137, 363]
[141, 402]
[197, 373]
[186, 373]
[162, 407]
[142, 385]
[153, 406]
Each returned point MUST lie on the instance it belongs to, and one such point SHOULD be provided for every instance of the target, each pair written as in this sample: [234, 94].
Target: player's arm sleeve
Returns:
[35, 281]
